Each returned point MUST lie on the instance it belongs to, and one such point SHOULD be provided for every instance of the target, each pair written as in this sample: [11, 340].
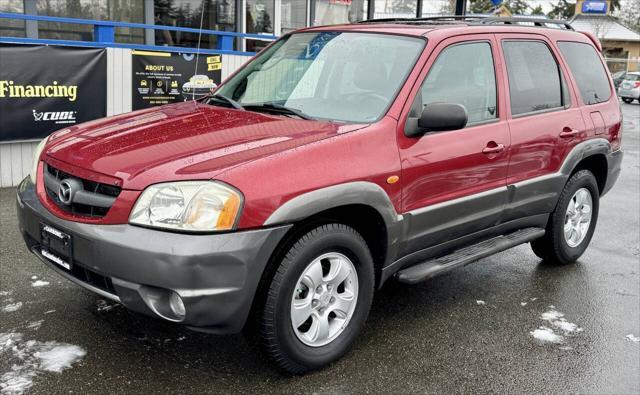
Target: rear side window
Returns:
[534, 77]
[588, 71]
[632, 77]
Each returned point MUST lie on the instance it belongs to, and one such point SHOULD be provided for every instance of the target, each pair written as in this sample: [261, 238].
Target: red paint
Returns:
[272, 159]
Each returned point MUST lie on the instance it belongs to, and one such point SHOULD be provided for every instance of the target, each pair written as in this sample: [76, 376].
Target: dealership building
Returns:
[69, 61]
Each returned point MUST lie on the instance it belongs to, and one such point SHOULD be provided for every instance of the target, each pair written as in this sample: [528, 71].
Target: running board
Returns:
[464, 256]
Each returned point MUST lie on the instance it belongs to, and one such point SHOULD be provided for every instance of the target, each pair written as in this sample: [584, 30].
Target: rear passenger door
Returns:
[545, 122]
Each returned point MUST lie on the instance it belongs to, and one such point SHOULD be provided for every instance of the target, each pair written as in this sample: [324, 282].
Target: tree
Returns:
[537, 11]
[629, 15]
[517, 7]
[562, 10]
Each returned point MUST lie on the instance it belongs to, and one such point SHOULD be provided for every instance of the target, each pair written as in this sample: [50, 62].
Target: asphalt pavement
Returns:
[471, 330]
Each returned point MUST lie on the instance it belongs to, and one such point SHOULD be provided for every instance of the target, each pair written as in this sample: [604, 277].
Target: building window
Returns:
[104, 10]
[12, 27]
[293, 15]
[218, 15]
[259, 19]
[395, 8]
[334, 12]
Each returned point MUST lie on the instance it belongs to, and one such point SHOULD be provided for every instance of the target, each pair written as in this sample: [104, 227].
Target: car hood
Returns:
[184, 141]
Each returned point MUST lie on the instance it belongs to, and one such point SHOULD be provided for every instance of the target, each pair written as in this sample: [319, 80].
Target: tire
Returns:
[628, 101]
[294, 349]
[554, 246]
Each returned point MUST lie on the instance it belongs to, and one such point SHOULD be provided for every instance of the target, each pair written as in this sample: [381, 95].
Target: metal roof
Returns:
[606, 28]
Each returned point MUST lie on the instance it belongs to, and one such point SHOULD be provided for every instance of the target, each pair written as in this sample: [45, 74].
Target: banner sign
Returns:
[45, 88]
[594, 7]
[166, 77]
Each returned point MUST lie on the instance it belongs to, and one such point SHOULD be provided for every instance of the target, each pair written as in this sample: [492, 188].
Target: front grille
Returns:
[54, 176]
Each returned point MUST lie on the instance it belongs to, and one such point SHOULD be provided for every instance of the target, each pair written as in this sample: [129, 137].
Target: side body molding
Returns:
[357, 192]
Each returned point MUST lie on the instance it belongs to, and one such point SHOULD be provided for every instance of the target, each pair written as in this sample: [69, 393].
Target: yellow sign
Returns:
[213, 59]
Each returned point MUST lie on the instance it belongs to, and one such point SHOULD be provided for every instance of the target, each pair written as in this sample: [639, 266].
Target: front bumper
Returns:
[215, 275]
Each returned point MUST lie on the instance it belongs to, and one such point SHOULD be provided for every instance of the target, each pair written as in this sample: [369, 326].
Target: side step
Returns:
[464, 256]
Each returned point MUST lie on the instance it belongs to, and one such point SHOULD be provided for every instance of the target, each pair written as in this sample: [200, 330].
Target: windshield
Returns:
[338, 76]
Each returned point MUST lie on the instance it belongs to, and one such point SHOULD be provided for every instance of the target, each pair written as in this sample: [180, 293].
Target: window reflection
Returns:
[333, 12]
[104, 10]
[12, 27]
[218, 15]
[395, 8]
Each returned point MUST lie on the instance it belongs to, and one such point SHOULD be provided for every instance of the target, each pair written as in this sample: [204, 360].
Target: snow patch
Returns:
[545, 334]
[4, 293]
[34, 277]
[630, 337]
[480, 302]
[12, 307]
[49, 311]
[523, 304]
[39, 283]
[556, 319]
[558, 327]
[32, 357]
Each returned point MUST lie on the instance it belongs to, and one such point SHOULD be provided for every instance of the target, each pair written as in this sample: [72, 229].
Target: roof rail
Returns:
[477, 19]
[539, 22]
[443, 18]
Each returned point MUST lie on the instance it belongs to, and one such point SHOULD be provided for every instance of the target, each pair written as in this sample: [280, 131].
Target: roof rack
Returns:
[538, 22]
[477, 20]
[442, 18]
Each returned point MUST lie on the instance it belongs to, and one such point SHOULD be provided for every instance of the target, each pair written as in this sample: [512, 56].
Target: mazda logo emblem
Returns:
[65, 192]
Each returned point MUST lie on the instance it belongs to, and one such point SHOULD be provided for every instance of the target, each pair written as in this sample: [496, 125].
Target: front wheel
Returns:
[319, 299]
[624, 99]
[572, 223]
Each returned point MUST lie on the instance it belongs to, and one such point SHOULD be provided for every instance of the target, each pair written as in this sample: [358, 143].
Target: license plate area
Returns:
[56, 246]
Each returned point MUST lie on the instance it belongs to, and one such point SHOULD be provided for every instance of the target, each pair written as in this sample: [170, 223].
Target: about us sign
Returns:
[45, 88]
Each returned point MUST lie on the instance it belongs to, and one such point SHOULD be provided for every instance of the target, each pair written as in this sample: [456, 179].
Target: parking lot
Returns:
[468, 331]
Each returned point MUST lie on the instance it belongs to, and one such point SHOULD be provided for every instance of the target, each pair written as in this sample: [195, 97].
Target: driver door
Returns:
[455, 181]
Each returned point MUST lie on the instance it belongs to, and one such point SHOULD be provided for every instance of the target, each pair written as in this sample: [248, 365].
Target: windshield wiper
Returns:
[280, 109]
[227, 100]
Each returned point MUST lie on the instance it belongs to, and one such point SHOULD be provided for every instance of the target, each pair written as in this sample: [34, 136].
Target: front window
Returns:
[339, 76]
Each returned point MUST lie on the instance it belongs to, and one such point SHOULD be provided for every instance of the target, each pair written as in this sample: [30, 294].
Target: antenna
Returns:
[193, 91]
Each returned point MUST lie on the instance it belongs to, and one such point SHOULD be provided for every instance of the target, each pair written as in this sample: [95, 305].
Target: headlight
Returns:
[191, 206]
[36, 159]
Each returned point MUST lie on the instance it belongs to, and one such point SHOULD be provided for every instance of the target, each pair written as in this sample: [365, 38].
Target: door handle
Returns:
[493, 148]
[569, 133]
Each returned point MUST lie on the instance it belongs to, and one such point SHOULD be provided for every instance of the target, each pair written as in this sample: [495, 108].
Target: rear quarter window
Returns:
[587, 70]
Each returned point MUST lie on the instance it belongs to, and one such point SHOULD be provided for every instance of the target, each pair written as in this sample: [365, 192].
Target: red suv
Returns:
[338, 158]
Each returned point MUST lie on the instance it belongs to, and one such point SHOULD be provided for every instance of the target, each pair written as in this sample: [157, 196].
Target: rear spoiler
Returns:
[594, 40]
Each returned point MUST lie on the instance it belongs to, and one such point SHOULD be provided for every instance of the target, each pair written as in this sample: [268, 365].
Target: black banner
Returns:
[45, 88]
[166, 77]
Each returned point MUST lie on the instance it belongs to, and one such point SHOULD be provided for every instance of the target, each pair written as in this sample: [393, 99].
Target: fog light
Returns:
[177, 306]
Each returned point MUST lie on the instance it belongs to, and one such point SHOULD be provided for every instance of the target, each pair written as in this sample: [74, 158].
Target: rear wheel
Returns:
[624, 99]
[572, 223]
[318, 299]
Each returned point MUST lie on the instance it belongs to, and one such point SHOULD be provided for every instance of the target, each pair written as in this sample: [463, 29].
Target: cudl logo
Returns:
[55, 116]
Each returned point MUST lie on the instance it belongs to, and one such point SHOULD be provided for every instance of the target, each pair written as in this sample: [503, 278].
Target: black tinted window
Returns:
[588, 71]
[534, 77]
[464, 74]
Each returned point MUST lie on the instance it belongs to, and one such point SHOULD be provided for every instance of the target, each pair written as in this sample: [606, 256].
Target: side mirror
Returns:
[439, 117]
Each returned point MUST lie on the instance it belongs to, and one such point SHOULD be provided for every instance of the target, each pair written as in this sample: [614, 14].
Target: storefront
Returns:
[270, 17]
